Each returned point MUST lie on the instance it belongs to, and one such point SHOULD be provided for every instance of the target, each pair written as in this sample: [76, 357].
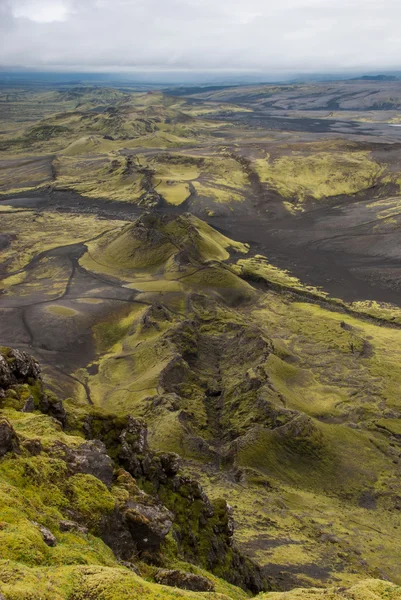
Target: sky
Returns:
[270, 36]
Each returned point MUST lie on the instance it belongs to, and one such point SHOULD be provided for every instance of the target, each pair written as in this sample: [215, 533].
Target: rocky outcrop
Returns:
[21, 385]
[202, 529]
[53, 407]
[90, 458]
[8, 439]
[139, 523]
[48, 538]
[185, 581]
[151, 498]
[17, 367]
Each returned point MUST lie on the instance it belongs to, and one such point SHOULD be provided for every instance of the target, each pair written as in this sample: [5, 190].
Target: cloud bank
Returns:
[265, 35]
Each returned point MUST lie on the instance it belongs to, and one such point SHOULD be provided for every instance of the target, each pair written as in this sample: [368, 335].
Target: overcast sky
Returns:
[265, 35]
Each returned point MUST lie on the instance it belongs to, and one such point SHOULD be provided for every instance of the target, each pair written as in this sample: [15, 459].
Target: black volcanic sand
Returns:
[274, 121]
[334, 246]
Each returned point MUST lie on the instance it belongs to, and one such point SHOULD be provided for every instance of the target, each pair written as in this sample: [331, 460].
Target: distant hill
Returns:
[375, 78]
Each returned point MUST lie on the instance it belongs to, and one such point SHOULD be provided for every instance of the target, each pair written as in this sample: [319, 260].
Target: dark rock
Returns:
[135, 436]
[115, 533]
[148, 525]
[90, 458]
[72, 526]
[5, 373]
[185, 581]
[34, 447]
[170, 463]
[29, 405]
[133, 442]
[47, 535]
[53, 407]
[8, 438]
[23, 366]
[139, 525]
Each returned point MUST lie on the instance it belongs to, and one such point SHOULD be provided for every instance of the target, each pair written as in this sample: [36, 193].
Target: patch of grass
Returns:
[61, 311]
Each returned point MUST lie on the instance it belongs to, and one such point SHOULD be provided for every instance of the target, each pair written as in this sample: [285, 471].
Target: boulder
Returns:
[29, 405]
[54, 408]
[90, 458]
[170, 463]
[8, 438]
[148, 524]
[185, 581]
[47, 535]
[66, 525]
[23, 366]
[5, 373]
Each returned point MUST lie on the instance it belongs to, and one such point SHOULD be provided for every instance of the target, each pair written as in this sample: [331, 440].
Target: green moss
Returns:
[62, 311]
[365, 590]
[90, 497]
[86, 583]
[321, 174]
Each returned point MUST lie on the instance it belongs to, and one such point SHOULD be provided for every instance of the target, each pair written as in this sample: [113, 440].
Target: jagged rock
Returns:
[204, 535]
[90, 458]
[134, 437]
[139, 525]
[148, 525]
[54, 408]
[8, 438]
[66, 525]
[115, 533]
[23, 366]
[29, 405]
[5, 373]
[185, 581]
[170, 463]
[47, 535]
[152, 316]
[175, 374]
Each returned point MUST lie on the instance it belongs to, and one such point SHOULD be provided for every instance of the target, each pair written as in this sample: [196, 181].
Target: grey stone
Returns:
[47, 535]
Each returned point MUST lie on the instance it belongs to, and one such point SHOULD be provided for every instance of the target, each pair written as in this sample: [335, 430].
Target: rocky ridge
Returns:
[116, 456]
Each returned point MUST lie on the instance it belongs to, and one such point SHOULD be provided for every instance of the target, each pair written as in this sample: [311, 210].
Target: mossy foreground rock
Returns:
[186, 581]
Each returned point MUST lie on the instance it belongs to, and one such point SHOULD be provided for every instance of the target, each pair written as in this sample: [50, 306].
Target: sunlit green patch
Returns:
[368, 589]
[173, 193]
[319, 175]
[89, 300]
[61, 311]
[44, 232]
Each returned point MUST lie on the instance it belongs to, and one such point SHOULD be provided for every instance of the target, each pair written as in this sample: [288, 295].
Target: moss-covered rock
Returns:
[185, 581]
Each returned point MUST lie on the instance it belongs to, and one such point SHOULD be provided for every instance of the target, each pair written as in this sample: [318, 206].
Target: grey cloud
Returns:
[201, 34]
